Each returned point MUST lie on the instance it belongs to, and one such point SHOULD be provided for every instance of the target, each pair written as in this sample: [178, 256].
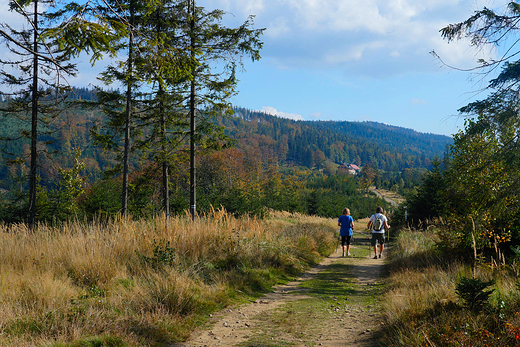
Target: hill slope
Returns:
[310, 143]
[288, 142]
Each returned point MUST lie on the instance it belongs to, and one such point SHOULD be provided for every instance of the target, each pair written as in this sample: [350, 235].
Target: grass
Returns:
[144, 283]
[422, 307]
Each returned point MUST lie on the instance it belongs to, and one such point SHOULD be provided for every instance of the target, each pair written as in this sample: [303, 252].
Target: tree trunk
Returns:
[124, 193]
[34, 125]
[165, 164]
[193, 171]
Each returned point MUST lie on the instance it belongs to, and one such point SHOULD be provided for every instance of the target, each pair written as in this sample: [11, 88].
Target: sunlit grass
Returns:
[143, 283]
[422, 307]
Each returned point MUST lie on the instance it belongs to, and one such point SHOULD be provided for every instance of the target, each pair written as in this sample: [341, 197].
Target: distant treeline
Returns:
[305, 143]
[275, 163]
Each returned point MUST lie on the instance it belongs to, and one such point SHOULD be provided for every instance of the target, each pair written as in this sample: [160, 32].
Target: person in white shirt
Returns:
[378, 223]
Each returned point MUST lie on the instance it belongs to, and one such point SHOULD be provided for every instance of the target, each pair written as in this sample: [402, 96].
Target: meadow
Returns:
[435, 298]
[144, 282]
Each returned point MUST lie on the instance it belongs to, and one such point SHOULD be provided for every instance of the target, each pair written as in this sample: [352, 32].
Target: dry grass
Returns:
[423, 309]
[140, 283]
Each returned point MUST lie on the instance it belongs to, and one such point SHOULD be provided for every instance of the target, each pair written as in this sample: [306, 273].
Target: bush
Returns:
[471, 291]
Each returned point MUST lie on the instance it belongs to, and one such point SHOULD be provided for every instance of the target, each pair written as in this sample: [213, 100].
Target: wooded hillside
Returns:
[266, 163]
[321, 145]
[310, 143]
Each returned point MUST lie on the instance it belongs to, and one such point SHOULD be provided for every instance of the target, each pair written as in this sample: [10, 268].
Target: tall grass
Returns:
[143, 283]
[422, 307]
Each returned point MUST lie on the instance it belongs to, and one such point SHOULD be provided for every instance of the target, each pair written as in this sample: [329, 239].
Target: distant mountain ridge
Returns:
[384, 134]
[389, 147]
[367, 134]
[311, 144]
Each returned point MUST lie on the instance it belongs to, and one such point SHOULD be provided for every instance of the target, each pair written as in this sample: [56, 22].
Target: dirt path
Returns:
[333, 304]
[391, 197]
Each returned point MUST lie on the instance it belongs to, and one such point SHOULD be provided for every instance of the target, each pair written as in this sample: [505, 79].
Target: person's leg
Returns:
[381, 244]
[348, 244]
[374, 242]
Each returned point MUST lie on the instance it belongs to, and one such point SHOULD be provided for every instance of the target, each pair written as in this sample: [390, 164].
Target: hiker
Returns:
[378, 222]
[346, 222]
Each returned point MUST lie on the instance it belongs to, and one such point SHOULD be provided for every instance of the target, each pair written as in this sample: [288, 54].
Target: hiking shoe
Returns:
[343, 254]
[379, 255]
[375, 257]
[348, 253]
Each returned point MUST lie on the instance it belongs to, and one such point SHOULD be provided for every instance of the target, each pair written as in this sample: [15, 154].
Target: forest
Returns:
[264, 157]
[161, 133]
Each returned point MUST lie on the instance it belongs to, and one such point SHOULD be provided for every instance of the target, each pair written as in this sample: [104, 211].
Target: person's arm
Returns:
[352, 225]
[386, 225]
[369, 224]
[339, 223]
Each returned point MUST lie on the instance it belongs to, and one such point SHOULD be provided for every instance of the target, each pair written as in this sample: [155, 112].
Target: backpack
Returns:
[378, 223]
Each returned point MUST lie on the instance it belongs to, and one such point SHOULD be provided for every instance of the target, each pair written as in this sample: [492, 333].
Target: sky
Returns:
[360, 60]
[353, 60]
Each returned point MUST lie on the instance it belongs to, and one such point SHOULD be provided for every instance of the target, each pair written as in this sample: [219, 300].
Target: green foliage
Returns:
[70, 187]
[101, 199]
[475, 191]
[481, 176]
[40, 60]
[472, 292]
[429, 199]
[255, 176]
[163, 254]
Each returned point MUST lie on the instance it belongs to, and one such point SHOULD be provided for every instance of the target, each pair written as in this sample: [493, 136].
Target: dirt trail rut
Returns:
[351, 321]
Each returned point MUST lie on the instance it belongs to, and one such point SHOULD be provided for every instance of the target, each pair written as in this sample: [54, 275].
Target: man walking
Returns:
[378, 223]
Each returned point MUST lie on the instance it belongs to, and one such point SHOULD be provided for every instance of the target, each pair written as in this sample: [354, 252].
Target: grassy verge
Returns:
[424, 304]
[140, 283]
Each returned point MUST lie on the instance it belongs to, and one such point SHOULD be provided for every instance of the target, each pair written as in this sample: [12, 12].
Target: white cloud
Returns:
[275, 112]
[415, 101]
[355, 52]
[247, 7]
[316, 115]
[277, 27]
[358, 35]
[326, 15]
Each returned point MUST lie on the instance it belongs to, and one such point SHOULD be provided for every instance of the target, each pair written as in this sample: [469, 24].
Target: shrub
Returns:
[471, 291]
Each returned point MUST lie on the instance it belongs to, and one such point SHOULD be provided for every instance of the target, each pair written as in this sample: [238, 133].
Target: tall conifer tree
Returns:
[38, 66]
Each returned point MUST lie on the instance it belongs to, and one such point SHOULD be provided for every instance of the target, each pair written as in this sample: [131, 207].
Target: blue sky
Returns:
[357, 60]
[352, 60]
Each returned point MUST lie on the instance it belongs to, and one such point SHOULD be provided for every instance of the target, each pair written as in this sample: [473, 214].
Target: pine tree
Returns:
[40, 65]
[211, 44]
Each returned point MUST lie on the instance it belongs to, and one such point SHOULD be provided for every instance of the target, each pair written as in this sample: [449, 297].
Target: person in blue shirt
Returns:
[346, 222]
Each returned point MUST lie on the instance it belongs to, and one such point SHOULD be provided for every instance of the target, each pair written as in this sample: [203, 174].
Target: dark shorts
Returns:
[345, 240]
[378, 238]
